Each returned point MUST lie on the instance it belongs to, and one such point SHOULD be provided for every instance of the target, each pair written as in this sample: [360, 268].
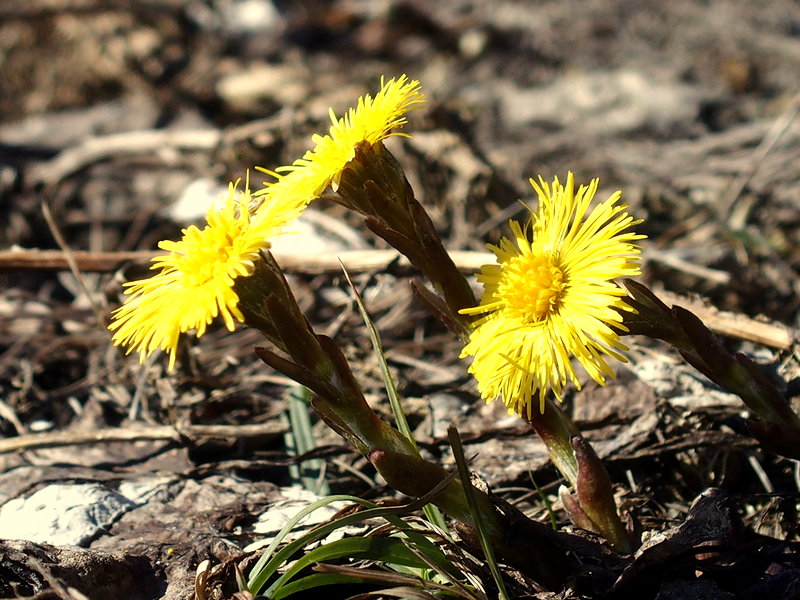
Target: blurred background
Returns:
[126, 118]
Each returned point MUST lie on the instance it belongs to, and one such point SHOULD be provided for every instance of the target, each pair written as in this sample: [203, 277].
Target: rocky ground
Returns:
[118, 118]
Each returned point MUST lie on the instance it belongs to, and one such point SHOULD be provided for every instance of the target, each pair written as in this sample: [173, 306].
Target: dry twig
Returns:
[732, 325]
[139, 433]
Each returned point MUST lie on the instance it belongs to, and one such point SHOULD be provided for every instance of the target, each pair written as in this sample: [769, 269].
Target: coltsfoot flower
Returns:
[551, 297]
[373, 120]
[194, 283]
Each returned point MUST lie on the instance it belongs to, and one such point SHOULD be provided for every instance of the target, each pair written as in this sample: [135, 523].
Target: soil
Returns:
[113, 111]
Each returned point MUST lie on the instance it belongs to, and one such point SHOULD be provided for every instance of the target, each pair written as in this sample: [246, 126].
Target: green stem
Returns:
[375, 185]
[316, 361]
[592, 506]
[556, 430]
[777, 426]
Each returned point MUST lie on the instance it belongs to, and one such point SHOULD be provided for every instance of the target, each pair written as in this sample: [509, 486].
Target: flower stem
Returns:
[317, 362]
[776, 425]
[375, 185]
[592, 505]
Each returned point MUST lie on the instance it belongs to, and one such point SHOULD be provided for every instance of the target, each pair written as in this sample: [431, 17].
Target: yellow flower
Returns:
[194, 284]
[551, 297]
[373, 120]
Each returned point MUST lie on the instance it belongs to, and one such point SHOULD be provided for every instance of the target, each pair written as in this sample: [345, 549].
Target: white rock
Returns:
[62, 514]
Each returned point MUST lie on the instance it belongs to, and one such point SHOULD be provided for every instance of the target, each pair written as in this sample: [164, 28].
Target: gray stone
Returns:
[62, 514]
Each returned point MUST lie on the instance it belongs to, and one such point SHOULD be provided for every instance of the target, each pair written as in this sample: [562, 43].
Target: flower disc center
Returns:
[208, 259]
[532, 286]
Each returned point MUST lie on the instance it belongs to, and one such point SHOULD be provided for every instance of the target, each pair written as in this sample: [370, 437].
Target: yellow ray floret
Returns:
[551, 297]
[373, 120]
[194, 282]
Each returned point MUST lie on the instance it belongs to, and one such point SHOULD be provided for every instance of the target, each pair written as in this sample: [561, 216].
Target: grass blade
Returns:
[272, 560]
[384, 550]
[486, 546]
[300, 439]
[433, 514]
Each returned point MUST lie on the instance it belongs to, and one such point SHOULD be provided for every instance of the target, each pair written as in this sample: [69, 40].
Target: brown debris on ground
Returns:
[112, 112]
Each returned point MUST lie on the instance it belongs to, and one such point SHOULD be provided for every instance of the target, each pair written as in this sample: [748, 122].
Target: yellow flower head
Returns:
[373, 120]
[551, 297]
[194, 284]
